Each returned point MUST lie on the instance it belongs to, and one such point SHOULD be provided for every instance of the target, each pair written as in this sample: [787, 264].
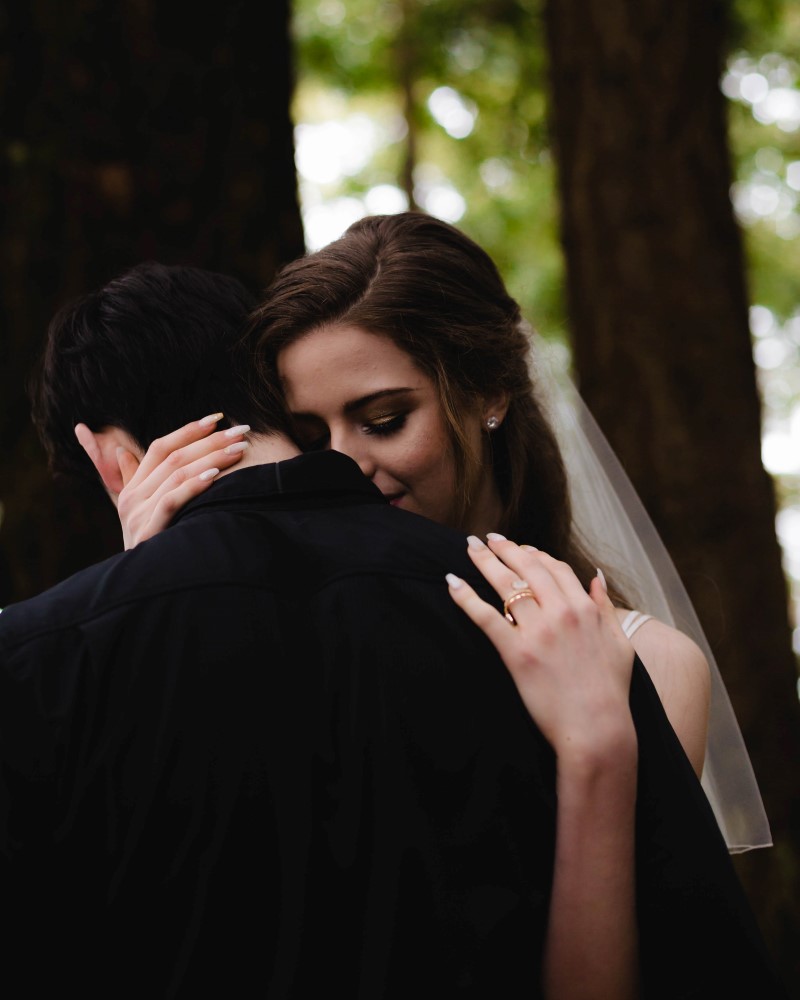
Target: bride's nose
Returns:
[355, 447]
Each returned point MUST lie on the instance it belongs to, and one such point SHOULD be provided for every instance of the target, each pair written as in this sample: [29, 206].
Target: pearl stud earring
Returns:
[492, 423]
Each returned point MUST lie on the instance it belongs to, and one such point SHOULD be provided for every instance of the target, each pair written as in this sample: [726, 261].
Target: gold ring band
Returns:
[516, 596]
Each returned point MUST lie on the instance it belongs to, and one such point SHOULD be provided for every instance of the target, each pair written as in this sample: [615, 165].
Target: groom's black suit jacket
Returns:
[264, 754]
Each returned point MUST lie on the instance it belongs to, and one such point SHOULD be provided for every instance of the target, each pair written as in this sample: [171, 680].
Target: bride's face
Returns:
[359, 393]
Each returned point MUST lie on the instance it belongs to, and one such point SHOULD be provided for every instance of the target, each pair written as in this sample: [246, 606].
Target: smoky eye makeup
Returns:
[385, 424]
[385, 412]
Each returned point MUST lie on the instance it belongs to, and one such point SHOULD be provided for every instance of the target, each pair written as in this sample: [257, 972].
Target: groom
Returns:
[263, 753]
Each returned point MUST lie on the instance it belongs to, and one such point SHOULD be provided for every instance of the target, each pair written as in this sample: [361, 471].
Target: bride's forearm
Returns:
[571, 663]
[592, 940]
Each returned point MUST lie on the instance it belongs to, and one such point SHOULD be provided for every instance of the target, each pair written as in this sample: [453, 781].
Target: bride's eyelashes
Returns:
[311, 435]
[386, 426]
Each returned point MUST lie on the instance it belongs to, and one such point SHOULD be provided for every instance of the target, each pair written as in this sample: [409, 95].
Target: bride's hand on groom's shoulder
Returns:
[173, 470]
[564, 647]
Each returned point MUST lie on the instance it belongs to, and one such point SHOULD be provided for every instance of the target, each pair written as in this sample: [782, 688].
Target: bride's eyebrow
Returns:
[357, 404]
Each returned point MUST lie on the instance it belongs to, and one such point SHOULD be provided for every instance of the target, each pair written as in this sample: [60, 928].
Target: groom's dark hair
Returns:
[153, 349]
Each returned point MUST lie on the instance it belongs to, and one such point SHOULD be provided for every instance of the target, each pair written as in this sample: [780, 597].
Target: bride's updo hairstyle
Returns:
[440, 298]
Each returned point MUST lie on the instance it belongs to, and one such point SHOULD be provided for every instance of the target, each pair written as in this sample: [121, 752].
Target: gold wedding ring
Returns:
[517, 595]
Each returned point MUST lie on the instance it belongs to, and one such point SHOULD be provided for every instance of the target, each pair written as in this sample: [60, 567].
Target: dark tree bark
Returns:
[132, 131]
[406, 78]
[659, 317]
[406, 56]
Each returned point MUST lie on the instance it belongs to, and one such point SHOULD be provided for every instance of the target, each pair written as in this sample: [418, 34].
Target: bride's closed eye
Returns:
[314, 435]
[386, 426]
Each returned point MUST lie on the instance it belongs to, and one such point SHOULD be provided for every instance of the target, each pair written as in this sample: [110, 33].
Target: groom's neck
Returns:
[263, 449]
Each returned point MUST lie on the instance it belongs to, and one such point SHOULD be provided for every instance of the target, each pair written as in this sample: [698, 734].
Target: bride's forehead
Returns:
[341, 355]
[336, 377]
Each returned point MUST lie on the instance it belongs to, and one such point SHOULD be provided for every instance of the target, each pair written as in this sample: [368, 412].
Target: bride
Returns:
[399, 345]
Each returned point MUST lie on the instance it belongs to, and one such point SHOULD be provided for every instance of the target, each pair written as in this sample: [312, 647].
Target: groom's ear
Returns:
[101, 447]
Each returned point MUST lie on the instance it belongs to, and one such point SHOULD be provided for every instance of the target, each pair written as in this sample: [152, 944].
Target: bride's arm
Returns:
[681, 676]
[572, 666]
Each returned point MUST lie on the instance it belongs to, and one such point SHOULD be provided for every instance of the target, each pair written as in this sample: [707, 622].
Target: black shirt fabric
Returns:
[264, 754]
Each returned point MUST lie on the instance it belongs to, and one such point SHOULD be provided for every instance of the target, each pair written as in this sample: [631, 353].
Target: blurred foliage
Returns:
[354, 56]
[756, 24]
[492, 54]
[486, 61]
[763, 84]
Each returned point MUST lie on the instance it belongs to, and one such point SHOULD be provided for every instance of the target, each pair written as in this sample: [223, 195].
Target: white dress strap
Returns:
[633, 621]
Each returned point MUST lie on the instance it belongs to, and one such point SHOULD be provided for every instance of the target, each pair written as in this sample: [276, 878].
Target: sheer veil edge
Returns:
[612, 522]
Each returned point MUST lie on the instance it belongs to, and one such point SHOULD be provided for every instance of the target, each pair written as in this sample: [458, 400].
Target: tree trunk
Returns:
[659, 318]
[133, 131]
[406, 56]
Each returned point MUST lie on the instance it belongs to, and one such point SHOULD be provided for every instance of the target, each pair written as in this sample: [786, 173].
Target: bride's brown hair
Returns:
[440, 298]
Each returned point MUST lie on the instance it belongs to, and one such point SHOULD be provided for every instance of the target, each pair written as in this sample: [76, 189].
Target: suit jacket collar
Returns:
[326, 478]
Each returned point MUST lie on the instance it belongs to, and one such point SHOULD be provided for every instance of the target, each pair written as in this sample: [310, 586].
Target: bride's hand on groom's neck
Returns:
[149, 488]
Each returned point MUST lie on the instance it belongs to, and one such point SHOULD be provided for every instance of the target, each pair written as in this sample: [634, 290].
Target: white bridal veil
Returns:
[610, 519]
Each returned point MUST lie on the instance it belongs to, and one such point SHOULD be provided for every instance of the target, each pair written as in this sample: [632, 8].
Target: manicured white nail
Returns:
[232, 449]
[474, 542]
[233, 432]
[212, 418]
[208, 474]
[493, 536]
[520, 584]
[453, 581]
[602, 578]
